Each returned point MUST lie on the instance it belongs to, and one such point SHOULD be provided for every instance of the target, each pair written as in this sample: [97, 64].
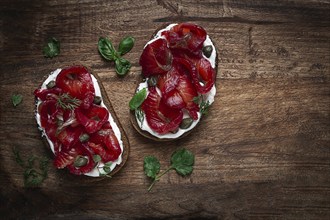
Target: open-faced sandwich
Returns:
[179, 68]
[78, 123]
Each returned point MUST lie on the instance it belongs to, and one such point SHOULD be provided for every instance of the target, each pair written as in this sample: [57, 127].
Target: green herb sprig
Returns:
[140, 115]
[203, 104]
[66, 102]
[33, 175]
[182, 161]
[52, 48]
[16, 99]
[109, 53]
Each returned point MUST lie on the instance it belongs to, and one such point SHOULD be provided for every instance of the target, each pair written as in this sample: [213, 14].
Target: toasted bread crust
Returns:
[133, 119]
[108, 104]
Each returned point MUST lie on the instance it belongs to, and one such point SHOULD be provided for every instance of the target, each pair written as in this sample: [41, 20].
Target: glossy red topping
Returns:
[77, 82]
[93, 118]
[178, 91]
[87, 153]
[77, 128]
[205, 75]
[105, 143]
[160, 117]
[187, 37]
[156, 58]
[183, 73]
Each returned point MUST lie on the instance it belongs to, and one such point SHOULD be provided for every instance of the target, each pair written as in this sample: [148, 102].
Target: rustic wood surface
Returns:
[263, 151]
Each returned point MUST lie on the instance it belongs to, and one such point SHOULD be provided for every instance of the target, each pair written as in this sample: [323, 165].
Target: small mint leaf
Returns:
[16, 99]
[52, 48]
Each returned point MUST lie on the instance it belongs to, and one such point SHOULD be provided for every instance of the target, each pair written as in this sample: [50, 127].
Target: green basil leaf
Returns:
[151, 166]
[182, 161]
[52, 48]
[106, 49]
[126, 45]
[138, 99]
[16, 99]
[122, 66]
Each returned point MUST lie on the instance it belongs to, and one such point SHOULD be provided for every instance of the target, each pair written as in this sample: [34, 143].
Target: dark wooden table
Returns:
[263, 151]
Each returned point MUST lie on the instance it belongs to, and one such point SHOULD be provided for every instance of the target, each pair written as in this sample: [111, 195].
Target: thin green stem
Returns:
[157, 178]
[152, 184]
[164, 172]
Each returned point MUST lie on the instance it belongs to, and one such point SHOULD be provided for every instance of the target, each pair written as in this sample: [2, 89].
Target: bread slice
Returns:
[133, 118]
[124, 137]
[108, 104]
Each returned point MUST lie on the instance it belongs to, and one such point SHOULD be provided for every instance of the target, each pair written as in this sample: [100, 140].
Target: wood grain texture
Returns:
[263, 152]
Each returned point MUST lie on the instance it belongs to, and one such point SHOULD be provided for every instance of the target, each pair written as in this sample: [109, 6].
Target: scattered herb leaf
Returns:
[138, 99]
[126, 45]
[151, 166]
[182, 161]
[106, 49]
[108, 52]
[16, 99]
[52, 48]
[33, 175]
[122, 66]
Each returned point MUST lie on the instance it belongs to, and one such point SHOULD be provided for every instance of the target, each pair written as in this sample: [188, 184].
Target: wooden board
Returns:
[263, 151]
